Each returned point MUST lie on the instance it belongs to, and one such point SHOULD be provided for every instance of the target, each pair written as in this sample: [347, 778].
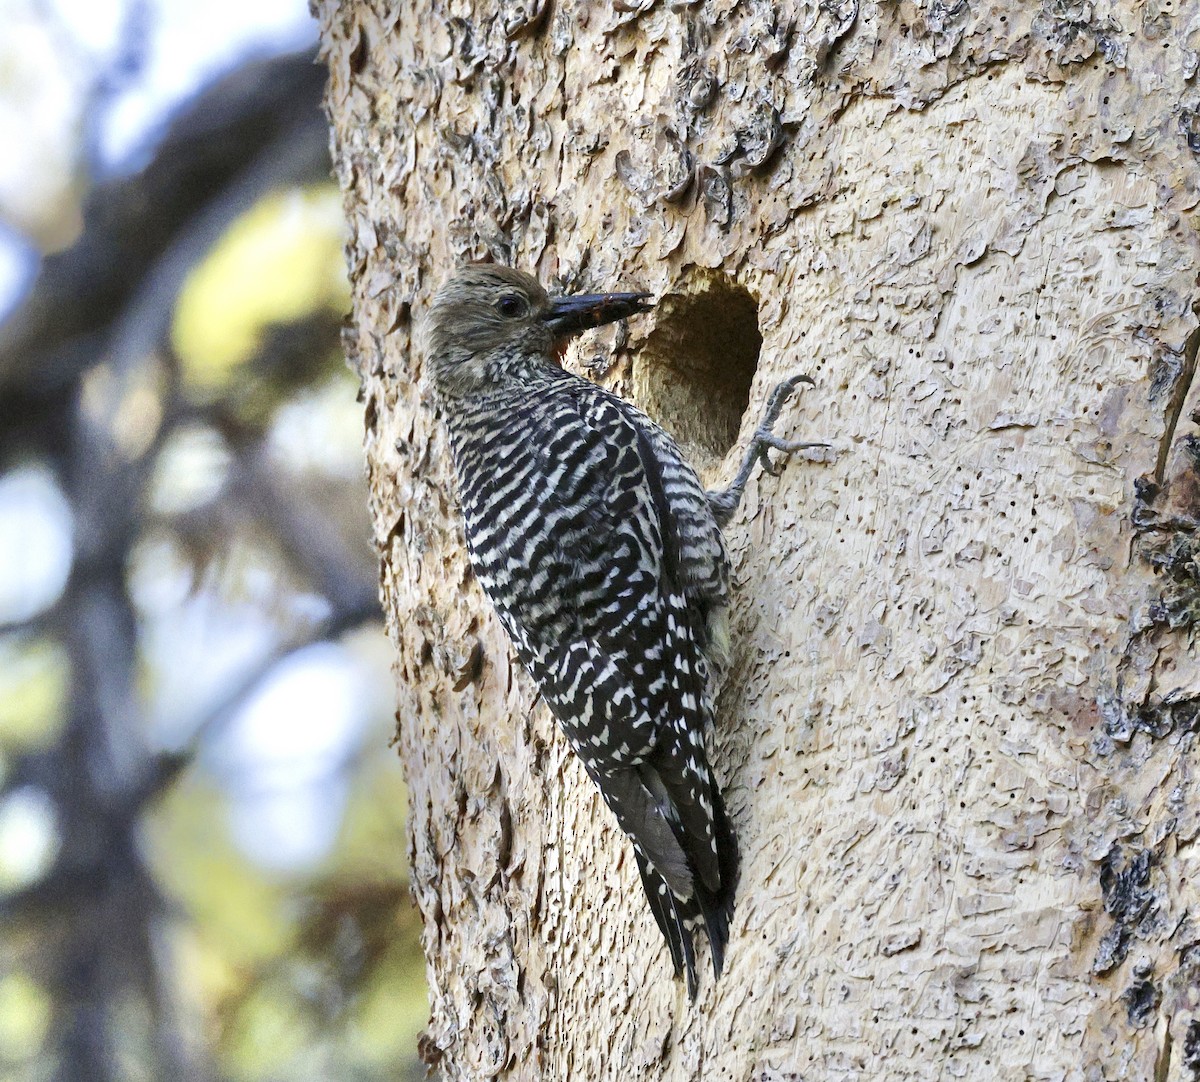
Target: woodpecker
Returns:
[603, 556]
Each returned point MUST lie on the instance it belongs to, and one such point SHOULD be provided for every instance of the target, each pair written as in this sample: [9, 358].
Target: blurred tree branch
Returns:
[257, 129]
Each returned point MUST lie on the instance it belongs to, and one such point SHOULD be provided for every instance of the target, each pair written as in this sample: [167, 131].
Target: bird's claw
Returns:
[767, 465]
[792, 382]
[783, 391]
[787, 446]
[786, 389]
[764, 441]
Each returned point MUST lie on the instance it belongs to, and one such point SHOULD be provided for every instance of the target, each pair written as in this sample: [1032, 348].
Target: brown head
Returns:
[489, 320]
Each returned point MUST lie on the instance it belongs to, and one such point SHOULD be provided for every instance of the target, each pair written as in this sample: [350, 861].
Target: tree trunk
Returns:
[958, 734]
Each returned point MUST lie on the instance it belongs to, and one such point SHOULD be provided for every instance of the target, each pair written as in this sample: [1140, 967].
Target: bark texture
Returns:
[959, 735]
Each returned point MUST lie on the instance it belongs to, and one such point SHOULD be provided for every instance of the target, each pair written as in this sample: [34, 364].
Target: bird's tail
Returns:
[677, 917]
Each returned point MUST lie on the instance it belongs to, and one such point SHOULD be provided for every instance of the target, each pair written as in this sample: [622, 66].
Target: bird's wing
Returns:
[628, 680]
[700, 560]
[623, 551]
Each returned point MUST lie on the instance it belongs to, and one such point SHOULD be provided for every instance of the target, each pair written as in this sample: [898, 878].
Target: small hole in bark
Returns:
[693, 375]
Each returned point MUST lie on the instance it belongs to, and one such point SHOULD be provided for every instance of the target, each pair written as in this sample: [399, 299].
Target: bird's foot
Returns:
[764, 440]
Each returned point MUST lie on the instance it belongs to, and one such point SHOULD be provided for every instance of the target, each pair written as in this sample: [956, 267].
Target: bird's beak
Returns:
[567, 316]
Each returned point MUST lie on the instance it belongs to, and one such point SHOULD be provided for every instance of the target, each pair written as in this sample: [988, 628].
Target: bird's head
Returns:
[487, 321]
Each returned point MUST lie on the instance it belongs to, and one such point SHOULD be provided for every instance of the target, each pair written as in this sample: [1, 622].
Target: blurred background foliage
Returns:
[202, 854]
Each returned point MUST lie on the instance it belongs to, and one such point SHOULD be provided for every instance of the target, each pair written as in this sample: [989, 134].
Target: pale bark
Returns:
[958, 737]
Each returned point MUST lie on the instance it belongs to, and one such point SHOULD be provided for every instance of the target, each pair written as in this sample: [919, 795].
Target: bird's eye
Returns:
[510, 306]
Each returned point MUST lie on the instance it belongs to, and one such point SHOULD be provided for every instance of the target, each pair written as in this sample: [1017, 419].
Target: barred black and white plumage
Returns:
[603, 556]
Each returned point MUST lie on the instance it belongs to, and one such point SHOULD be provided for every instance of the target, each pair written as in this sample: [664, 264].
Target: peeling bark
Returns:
[959, 734]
